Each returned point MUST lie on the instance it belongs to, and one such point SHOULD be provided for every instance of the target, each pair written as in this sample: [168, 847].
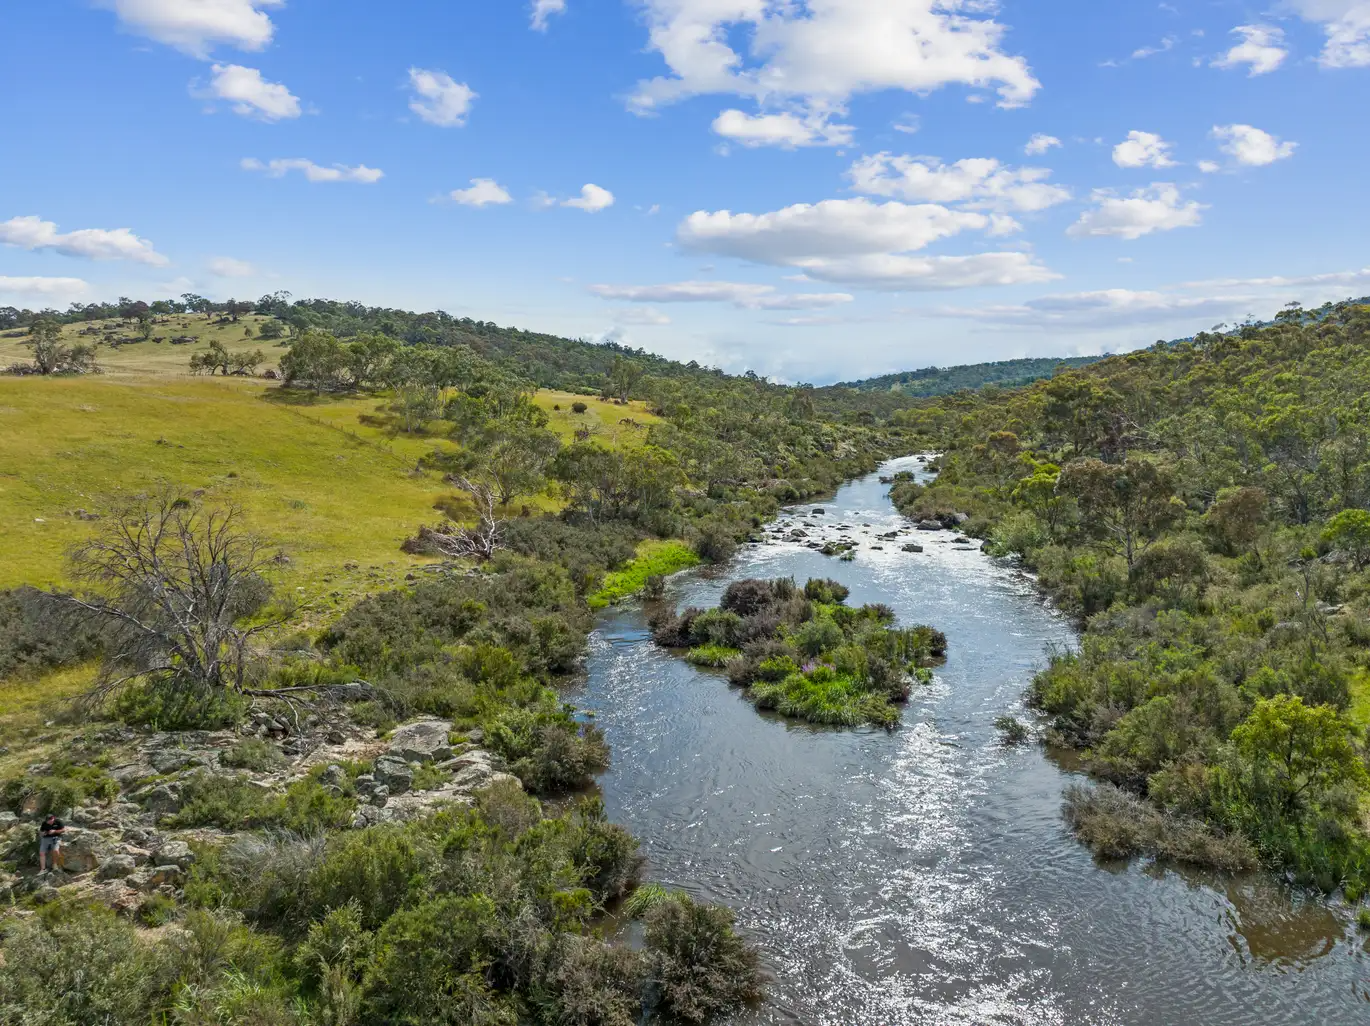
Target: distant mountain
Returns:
[944, 380]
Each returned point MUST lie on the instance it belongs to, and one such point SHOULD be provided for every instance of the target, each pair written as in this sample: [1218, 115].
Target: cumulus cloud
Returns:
[251, 95]
[592, 199]
[1143, 149]
[197, 26]
[1157, 208]
[838, 227]
[1346, 24]
[33, 233]
[438, 99]
[1040, 143]
[228, 267]
[743, 295]
[786, 130]
[42, 290]
[816, 56]
[1250, 146]
[1209, 167]
[859, 242]
[313, 172]
[975, 181]
[483, 193]
[1261, 50]
[544, 9]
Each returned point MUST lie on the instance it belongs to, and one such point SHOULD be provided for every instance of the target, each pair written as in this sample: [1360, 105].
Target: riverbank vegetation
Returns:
[805, 653]
[1201, 507]
[318, 630]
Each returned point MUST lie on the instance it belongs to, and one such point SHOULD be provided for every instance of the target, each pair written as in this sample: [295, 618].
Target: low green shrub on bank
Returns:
[653, 559]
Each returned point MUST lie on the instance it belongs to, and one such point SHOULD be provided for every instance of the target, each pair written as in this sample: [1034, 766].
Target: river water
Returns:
[924, 875]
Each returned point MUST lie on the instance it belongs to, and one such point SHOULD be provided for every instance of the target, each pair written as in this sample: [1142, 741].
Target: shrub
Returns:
[1011, 732]
[38, 633]
[82, 966]
[168, 705]
[579, 407]
[701, 966]
[715, 656]
[65, 785]
[253, 754]
[226, 801]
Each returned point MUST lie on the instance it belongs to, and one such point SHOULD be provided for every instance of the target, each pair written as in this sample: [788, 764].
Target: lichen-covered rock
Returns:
[394, 773]
[424, 741]
[175, 853]
[116, 867]
[80, 852]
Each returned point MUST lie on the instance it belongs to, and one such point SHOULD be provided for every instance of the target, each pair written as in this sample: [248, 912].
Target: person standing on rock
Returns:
[49, 841]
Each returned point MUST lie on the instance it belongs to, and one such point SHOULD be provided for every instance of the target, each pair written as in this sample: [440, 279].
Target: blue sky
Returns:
[812, 189]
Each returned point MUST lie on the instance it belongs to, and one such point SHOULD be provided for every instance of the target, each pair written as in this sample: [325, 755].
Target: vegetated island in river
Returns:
[804, 652]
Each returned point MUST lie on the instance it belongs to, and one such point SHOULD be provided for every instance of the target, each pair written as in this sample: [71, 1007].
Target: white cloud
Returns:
[42, 290]
[977, 181]
[1209, 167]
[859, 242]
[1250, 146]
[482, 193]
[592, 199]
[909, 124]
[544, 9]
[313, 172]
[1105, 308]
[440, 100]
[786, 130]
[1143, 149]
[1040, 143]
[1157, 208]
[644, 315]
[1347, 26]
[1352, 279]
[897, 272]
[744, 295]
[1261, 50]
[196, 26]
[228, 267]
[33, 233]
[837, 227]
[252, 95]
[820, 54]
[1142, 53]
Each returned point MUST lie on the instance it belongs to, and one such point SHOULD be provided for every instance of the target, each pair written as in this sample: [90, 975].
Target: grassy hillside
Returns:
[329, 479]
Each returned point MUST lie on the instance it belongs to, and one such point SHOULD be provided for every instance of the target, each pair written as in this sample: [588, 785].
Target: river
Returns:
[924, 875]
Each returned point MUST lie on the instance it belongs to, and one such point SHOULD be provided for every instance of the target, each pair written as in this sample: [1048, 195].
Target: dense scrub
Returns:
[1202, 508]
[481, 916]
[804, 652]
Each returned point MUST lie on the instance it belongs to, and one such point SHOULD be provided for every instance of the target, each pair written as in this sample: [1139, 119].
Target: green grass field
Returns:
[327, 479]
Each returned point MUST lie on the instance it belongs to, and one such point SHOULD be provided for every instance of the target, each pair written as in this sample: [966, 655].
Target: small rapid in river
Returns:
[925, 876]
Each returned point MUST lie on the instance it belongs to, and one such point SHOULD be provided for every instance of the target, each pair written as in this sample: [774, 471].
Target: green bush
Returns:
[81, 965]
[702, 968]
[167, 704]
[716, 656]
[253, 754]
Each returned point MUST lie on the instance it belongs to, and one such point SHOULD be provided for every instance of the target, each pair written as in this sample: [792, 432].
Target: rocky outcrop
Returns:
[425, 741]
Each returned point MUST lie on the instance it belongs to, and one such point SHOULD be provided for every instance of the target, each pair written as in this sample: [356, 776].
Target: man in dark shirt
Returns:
[49, 841]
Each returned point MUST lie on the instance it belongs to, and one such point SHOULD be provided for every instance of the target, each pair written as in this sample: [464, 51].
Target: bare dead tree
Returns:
[480, 541]
[173, 583]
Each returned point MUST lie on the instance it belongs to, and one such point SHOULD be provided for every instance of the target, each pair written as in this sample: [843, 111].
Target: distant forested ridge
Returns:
[931, 381]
